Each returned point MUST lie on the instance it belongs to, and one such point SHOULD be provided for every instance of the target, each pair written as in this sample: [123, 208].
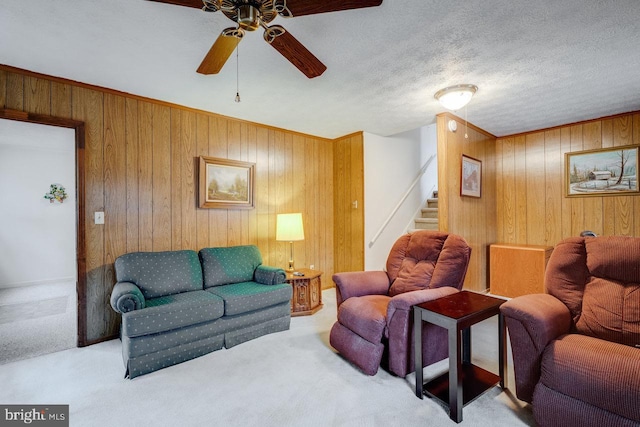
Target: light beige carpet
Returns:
[292, 378]
[37, 320]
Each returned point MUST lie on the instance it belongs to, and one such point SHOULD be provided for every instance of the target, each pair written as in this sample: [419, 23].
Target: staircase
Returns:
[429, 216]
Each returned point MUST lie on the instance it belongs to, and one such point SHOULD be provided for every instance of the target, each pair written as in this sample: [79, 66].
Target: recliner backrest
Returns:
[598, 279]
[427, 259]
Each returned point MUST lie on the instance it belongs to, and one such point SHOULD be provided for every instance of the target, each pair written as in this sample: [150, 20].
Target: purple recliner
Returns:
[374, 324]
[576, 348]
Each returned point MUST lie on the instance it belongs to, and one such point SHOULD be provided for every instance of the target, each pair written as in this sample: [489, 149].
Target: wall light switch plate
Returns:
[99, 217]
[311, 267]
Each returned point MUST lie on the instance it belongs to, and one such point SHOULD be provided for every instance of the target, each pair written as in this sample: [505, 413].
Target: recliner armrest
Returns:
[399, 321]
[408, 299]
[402, 304]
[269, 275]
[359, 283]
[126, 297]
[533, 322]
[544, 316]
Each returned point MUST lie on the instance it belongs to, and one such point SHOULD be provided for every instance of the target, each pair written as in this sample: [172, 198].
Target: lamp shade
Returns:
[289, 227]
[455, 97]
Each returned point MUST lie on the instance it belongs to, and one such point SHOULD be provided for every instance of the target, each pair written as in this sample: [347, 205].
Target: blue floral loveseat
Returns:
[179, 305]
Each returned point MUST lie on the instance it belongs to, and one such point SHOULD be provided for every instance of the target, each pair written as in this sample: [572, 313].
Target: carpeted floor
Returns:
[36, 320]
[292, 378]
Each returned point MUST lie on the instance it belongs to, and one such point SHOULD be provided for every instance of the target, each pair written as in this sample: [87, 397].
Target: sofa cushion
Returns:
[172, 312]
[248, 296]
[147, 344]
[235, 264]
[595, 371]
[238, 336]
[152, 343]
[160, 273]
[244, 320]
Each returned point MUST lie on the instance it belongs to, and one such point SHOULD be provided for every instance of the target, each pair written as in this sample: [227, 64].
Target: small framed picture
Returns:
[471, 177]
[226, 184]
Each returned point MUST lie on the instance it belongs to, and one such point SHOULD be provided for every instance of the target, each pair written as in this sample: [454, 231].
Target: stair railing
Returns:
[423, 169]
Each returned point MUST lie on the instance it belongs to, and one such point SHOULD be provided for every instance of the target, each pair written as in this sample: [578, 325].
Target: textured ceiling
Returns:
[537, 64]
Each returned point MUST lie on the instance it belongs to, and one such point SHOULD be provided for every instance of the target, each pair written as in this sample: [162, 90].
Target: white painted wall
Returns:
[391, 164]
[37, 238]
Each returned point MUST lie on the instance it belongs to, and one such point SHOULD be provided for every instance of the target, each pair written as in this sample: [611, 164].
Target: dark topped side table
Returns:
[464, 381]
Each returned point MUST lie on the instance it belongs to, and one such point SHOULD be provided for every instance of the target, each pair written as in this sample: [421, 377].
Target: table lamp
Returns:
[289, 229]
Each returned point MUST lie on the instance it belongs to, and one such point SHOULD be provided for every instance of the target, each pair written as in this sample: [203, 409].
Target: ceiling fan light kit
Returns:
[455, 97]
[249, 15]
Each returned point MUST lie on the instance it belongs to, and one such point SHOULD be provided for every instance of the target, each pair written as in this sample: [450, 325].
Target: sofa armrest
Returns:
[126, 297]
[269, 275]
[533, 322]
[359, 283]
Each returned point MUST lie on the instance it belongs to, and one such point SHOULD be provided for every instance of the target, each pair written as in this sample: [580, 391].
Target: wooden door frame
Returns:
[81, 250]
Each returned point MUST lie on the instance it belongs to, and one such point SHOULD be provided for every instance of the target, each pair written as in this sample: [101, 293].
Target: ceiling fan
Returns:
[249, 15]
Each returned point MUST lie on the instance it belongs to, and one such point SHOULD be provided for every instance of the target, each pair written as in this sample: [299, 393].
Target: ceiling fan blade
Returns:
[189, 3]
[295, 52]
[220, 52]
[310, 7]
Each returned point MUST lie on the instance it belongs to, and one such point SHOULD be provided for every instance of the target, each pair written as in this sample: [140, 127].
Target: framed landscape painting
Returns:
[225, 183]
[471, 179]
[602, 172]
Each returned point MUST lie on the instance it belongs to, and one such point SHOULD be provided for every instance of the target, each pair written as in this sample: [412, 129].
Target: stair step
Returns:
[426, 223]
[429, 212]
[427, 220]
[427, 227]
[432, 203]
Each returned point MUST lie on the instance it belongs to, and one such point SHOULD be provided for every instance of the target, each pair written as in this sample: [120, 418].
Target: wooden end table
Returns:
[464, 381]
[307, 292]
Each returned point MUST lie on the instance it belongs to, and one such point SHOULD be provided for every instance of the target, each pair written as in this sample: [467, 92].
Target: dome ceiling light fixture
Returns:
[455, 97]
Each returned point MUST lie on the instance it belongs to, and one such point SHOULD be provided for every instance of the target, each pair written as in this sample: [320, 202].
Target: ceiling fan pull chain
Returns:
[466, 125]
[237, 70]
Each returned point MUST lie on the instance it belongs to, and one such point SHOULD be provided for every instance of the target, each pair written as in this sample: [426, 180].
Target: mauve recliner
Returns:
[374, 307]
[576, 349]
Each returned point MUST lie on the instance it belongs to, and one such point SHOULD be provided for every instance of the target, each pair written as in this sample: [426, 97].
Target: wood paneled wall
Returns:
[472, 218]
[531, 205]
[348, 175]
[141, 170]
